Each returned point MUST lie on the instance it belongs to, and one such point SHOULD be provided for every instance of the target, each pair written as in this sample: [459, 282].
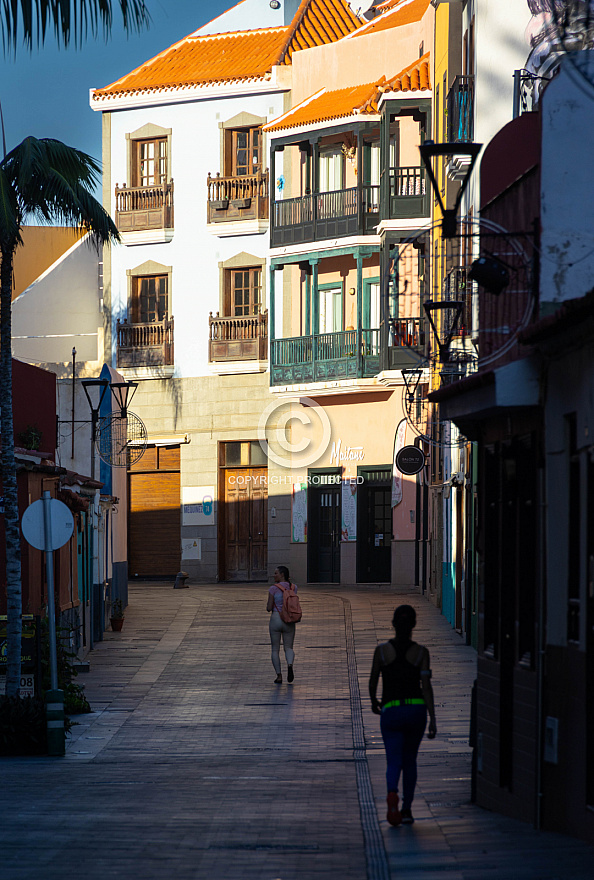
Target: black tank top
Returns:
[401, 680]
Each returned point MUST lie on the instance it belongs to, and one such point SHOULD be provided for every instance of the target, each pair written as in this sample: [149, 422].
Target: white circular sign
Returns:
[61, 524]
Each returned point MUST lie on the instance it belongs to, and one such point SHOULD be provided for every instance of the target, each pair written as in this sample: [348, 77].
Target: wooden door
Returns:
[323, 545]
[245, 534]
[154, 523]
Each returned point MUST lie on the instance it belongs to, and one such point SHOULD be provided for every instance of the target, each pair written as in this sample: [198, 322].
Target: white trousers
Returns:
[277, 629]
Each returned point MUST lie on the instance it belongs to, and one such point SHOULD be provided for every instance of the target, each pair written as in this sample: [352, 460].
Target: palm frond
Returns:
[51, 182]
[71, 20]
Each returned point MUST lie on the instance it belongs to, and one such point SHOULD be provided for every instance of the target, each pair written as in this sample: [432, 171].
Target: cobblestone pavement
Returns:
[195, 766]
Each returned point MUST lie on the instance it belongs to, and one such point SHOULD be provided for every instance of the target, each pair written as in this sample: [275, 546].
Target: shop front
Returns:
[353, 515]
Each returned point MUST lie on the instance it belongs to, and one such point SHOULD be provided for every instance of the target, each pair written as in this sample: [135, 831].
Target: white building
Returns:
[186, 179]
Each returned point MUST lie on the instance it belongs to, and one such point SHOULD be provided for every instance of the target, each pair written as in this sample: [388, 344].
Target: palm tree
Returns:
[70, 20]
[46, 181]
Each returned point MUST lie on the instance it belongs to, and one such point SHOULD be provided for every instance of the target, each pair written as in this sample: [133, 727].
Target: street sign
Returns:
[410, 460]
[27, 688]
[61, 525]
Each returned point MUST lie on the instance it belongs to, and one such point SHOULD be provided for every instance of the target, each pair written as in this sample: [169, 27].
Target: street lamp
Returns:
[433, 308]
[123, 392]
[412, 377]
[95, 390]
[464, 156]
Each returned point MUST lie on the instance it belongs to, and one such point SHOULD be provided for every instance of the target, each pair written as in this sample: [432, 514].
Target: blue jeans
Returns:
[402, 730]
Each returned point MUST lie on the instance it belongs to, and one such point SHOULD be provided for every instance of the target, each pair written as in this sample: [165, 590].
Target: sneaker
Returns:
[394, 816]
[407, 817]
[278, 679]
[290, 674]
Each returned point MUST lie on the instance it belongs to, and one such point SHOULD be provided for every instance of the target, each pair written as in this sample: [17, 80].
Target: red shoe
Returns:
[394, 816]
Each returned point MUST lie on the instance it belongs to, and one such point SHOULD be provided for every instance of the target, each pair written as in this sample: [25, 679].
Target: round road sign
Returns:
[410, 460]
[61, 524]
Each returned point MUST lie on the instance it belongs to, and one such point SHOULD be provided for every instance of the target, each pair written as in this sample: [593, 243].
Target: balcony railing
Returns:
[408, 192]
[406, 332]
[461, 110]
[325, 357]
[145, 345]
[237, 198]
[458, 286]
[144, 207]
[353, 211]
[237, 339]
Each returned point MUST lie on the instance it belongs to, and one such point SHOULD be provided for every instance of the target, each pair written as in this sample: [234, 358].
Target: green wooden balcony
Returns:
[325, 357]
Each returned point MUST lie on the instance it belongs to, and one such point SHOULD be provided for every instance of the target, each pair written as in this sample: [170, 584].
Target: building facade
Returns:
[186, 294]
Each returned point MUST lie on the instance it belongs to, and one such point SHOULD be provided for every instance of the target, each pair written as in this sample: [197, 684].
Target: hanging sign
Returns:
[409, 460]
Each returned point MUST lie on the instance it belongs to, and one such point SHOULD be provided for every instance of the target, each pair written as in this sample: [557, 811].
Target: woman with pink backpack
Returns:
[286, 612]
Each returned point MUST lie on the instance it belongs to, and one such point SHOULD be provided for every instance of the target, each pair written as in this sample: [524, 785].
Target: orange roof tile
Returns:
[318, 22]
[395, 13]
[193, 61]
[240, 55]
[353, 100]
[416, 77]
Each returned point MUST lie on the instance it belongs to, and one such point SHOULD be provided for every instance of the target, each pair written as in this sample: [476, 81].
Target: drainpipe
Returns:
[540, 654]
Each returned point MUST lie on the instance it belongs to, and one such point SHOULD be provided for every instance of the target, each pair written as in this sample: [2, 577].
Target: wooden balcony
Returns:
[237, 198]
[325, 357]
[354, 211]
[145, 345]
[139, 208]
[238, 339]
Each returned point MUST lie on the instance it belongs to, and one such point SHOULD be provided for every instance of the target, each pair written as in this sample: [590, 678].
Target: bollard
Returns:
[180, 580]
[56, 735]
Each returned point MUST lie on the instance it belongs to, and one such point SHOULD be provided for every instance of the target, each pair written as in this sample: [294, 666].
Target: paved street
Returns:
[195, 766]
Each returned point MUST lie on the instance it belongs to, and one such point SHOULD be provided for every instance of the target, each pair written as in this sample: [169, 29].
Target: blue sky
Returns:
[45, 93]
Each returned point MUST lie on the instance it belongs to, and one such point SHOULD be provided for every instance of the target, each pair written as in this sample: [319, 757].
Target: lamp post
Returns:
[95, 390]
[123, 392]
[457, 151]
[436, 307]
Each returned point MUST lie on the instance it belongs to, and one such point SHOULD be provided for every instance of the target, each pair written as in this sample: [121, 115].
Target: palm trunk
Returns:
[9, 482]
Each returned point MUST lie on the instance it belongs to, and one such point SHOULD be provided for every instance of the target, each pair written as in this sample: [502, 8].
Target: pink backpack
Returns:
[291, 610]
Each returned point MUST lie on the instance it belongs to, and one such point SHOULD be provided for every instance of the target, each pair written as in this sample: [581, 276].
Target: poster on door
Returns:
[198, 506]
[348, 528]
[299, 513]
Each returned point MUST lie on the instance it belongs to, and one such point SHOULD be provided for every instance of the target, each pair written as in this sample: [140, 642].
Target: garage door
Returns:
[154, 537]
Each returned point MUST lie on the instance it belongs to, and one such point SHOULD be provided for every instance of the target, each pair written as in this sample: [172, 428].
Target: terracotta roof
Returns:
[239, 55]
[318, 22]
[195, 61]
[395, 13]
[415, 77]
[353, 100]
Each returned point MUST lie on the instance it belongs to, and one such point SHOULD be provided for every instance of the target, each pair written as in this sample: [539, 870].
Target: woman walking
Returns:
[277, 627]
[407, 696]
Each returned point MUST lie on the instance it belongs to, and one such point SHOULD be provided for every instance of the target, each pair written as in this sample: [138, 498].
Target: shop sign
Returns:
[342, 455]
[396, 473]
[198, 506]
[410, 460]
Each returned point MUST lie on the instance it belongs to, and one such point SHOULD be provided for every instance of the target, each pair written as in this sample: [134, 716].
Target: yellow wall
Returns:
[42, 246]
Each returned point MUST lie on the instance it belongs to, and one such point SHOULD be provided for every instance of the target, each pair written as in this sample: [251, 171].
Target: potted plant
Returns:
[117, 615]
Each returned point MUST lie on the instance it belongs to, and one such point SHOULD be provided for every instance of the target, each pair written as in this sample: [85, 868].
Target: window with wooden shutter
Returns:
[243, 151]
[149, 166]
[150, 299]
[243, 292]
